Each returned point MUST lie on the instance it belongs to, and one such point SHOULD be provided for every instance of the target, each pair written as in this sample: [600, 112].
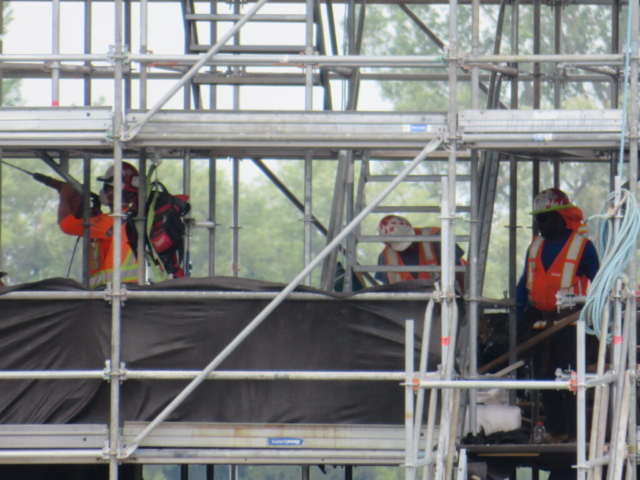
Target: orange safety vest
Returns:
[427, 256]
[101, 251]
[543, 285]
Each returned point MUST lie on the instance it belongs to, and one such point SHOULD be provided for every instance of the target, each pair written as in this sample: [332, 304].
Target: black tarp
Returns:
[340, 334]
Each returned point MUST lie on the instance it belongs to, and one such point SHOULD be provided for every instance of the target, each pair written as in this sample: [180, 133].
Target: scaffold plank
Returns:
[270, 436]
[540, 121]
[52, 436]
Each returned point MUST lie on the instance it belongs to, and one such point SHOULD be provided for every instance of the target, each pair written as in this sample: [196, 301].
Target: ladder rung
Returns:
[415, 178]
[435, 209]
[402, 268]
[234, 17]
[258, 49]
[415, 238]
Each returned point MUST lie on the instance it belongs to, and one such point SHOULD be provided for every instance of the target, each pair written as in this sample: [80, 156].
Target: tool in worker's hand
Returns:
[17, 168]
[39, 177]
[56, 184]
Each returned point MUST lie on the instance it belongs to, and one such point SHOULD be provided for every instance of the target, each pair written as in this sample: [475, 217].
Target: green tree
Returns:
[389, 31]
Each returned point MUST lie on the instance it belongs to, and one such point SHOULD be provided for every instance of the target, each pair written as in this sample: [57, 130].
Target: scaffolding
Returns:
[215, 58]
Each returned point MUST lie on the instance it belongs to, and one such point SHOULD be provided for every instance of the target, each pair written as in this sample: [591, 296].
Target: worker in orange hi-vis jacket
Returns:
[411, 253]
[101, 228]
[561, 258]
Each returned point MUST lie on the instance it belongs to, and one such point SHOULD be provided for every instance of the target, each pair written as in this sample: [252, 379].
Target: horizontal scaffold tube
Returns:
[170, 456]
[249, 375]
[550, 137]
[51, 374]
[50, 456]
[366, 60]
[200, 295]
[419, 61]
[508, 384]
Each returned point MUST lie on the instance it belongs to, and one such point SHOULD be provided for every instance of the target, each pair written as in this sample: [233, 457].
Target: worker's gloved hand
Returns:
[95, 204]
[48, 181]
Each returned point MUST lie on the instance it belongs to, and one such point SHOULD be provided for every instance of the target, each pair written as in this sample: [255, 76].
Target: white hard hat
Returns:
[396, 226]
[550, 200]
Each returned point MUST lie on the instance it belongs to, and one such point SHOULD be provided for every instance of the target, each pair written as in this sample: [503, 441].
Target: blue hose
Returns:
[615, 253]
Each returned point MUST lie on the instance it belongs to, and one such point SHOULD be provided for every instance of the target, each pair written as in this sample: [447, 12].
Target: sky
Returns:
[165, 37]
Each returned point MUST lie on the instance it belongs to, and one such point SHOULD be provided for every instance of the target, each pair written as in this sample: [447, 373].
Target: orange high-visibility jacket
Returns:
[101, 253]
[427, 256]
[543, 286]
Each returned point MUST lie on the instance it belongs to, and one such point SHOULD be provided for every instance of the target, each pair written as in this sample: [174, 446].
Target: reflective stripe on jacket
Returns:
[427, 256]
[101, 251]
[543, 285]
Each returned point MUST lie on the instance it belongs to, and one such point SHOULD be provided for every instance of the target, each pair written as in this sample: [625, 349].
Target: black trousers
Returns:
[558, 351]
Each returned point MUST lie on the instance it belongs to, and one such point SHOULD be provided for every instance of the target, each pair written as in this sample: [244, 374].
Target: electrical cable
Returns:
[73, 254]
[615, 252]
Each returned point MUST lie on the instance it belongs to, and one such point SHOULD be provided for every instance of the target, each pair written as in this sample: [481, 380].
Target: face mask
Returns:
[104, 200]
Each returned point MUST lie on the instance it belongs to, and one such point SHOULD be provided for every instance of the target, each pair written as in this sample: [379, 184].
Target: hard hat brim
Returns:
[553, 209]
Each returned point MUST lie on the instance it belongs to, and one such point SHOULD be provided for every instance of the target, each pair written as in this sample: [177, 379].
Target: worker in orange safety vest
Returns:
[101, 229]
[410, 253]
[559, 259]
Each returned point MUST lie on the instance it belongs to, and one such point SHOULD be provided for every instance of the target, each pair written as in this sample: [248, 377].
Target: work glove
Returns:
[48, 181]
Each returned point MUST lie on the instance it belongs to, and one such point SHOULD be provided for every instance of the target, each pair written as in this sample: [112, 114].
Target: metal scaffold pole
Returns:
[116, 304]
[632, 304]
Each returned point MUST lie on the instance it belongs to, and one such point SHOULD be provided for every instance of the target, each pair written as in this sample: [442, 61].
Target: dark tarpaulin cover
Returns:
[335, 335]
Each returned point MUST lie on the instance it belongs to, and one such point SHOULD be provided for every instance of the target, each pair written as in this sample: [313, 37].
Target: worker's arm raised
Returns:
[70, 202]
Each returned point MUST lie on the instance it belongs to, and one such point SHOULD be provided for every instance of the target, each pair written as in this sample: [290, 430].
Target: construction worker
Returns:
[101, 229]
[560, 258]
[410, 253]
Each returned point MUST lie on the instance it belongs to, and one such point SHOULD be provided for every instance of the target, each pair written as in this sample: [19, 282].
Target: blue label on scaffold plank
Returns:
[418, 128]
[285, 442]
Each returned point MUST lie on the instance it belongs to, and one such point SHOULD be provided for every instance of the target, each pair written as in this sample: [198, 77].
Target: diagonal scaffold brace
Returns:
[135, 443]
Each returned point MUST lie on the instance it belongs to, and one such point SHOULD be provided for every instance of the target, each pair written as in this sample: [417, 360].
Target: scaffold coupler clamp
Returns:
[573, 382]
[565, 299]
[110, 295]
[106, 449]
[109, 374]
[437, 294]
[416, 381]
[114, 56]
[106, 372]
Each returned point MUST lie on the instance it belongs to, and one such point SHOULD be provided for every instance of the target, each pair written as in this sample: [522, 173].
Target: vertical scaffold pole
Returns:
[144, 13]
[422, 370]
[235, 222]
[472, 273]
[308, 154]
[212, 215]
[513, 232]
[308, 210]
[600, 403]
[141, 219]
[633, 190]
[581, 400]
[114, 420]
[410, 469]
[55, 49]
[186, 181]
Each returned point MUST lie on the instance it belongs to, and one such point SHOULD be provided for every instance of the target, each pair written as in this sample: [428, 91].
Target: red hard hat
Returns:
[130, 179]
